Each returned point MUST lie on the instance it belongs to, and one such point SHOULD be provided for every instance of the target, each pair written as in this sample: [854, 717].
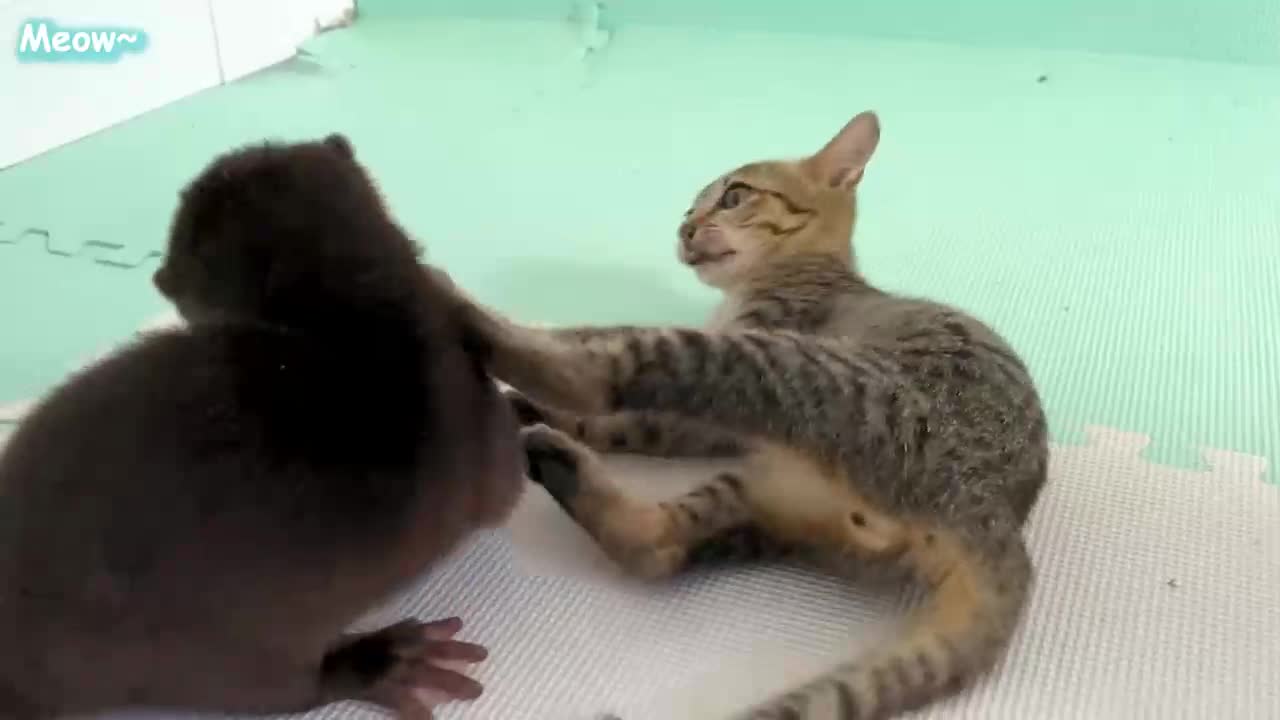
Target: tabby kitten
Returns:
[884, 436]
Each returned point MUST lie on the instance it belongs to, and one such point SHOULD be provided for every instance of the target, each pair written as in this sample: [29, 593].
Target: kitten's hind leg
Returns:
[646, 539]
[637, 433]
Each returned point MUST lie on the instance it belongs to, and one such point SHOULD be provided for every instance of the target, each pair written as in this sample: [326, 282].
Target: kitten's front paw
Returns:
[567, 377]
[554, 461]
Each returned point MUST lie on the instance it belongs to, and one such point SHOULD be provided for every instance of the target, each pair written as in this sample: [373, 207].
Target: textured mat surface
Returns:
[1156, 598]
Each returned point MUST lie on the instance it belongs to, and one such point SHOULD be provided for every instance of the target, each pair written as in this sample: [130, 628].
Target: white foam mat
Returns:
[1158, 597]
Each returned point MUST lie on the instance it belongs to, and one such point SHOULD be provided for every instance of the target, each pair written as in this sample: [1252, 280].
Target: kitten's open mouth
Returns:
[707, 259]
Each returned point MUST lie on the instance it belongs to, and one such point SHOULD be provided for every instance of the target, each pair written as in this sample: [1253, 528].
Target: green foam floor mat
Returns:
[1115, 216]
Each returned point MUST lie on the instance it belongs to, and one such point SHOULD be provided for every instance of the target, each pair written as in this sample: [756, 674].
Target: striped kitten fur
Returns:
[882, 436]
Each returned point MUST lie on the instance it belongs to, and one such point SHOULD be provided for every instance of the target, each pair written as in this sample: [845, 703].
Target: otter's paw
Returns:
[407, 668]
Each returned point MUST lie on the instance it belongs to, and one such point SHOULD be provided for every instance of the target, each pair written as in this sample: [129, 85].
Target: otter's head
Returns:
[279, 233]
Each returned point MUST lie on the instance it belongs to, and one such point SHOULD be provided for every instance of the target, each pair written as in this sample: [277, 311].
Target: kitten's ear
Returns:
[840, 163]
[339, 142]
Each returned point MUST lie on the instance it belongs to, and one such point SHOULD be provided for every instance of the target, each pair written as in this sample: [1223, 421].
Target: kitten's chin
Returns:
[717, 272]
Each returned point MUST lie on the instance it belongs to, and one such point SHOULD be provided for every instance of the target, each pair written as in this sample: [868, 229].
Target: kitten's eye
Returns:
[732, 198]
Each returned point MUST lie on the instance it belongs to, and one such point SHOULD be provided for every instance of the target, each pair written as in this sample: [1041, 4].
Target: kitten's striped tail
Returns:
[978, 594]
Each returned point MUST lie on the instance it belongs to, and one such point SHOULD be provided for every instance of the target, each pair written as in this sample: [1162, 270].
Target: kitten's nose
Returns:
[687, 229]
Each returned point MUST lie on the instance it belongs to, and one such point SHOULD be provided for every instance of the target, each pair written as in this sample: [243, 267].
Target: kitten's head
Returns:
[764, 211]
[280, 233]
